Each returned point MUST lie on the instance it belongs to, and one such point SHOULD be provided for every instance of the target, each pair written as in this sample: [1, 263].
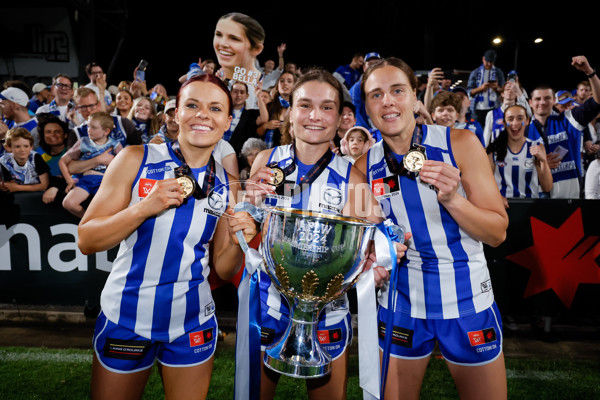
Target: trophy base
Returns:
[299, 353]
[297, 370]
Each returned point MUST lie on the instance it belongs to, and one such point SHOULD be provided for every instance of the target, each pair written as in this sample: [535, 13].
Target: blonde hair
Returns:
[104, 119]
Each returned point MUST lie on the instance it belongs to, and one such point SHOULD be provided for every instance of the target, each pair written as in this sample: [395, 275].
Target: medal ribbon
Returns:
[200, 192]
[311, 175]
[393, 164]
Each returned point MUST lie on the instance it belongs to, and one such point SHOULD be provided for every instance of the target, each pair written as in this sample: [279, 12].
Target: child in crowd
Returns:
[357, 141]
[100, 124]
[23, 169]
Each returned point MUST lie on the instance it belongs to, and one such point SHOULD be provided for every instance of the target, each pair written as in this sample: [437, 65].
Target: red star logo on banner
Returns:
[560, 258]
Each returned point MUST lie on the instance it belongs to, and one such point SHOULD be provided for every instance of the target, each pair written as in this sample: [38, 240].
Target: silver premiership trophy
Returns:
[312, 259]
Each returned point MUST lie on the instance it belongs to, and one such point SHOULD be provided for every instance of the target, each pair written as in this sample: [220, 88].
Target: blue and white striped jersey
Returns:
[158, 285]
[444, 274]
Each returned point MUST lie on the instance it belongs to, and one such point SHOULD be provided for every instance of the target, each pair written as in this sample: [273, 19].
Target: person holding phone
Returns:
[484, 86]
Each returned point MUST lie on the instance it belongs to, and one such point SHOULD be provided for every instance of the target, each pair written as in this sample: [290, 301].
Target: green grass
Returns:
[34, 373]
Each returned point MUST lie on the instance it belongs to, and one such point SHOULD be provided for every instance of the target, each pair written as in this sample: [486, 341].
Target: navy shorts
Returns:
[123, 351]
[90, 183]
[471, 340]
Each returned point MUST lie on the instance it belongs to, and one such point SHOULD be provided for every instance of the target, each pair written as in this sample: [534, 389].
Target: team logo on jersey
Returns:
[330, 336]
[387, 185]
[486, 286]
[528, 164]
[201, 337]
[484, 336]
[215, 201]
[209, 309]
[332, 196]
[145, 186]
[501, 164]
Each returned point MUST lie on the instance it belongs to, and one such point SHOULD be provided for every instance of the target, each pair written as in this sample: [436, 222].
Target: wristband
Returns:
[590, 76]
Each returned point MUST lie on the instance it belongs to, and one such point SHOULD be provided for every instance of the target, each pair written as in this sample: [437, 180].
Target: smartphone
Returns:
[140, 71]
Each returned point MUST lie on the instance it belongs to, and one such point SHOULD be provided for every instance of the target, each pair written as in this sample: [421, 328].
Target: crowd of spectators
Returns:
[58, 139]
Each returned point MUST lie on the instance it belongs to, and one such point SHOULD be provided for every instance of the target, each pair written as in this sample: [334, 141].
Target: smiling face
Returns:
[54, 134]
[390, 100]
[202, 114]
[515, 120]
[124, 101]
[232, 47]
[21, 147]
[285, 84]
[315, 112]
[541, 102]
[143, 110]
[445, 116]
[348, 119]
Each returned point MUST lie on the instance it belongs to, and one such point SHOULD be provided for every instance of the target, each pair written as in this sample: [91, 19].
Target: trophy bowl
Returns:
[312, 259]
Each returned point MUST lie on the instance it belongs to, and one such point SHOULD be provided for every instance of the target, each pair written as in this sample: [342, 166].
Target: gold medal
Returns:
[187, 184]
[413, 160]
[278, 176]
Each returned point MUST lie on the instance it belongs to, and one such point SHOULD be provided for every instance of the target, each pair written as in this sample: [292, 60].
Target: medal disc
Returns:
[413, 160]
[278, 176]
[187, 184]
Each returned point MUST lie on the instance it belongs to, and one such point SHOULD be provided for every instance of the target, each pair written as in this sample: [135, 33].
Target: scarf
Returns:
[22, 174]
[489, 94]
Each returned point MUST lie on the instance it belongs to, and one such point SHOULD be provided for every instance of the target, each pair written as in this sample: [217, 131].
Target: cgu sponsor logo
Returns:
[55, 256]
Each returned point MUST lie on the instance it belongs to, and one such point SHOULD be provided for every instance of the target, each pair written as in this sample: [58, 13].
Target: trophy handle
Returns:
[255, 212]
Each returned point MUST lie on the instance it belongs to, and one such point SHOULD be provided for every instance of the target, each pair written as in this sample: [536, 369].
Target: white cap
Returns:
[15, 95]
[39, 87]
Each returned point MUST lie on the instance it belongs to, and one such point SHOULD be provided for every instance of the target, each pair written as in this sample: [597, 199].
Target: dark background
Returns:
[450, 35]
[171, 34]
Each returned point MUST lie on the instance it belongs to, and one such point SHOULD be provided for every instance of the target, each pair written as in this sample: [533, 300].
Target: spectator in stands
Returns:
[158, 94]
[14, 103]
[464, 120]
[564, 101]
[519, 164]
[270, 73]
[62, 89]
[270, 131]
[494, 120]
[356, 142]
[97, 142]
[362, 118]
[41, 95]
[143, 115]
[484, 86]
[447, 109]
[23, 169]
[53, 145]
[250, 150]
[347, 121]
[349, 74]
[123, 130]
[245, 121]
[123, 103]
[169, 130]
[98, 83]
[582, 93]
[562, 133]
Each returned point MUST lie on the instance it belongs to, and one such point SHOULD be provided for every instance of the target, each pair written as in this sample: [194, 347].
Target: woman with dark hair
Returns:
[519, 164]
[238, 40]
[169, 207]
[435, 182]
[53, 134]
[310, 164]
[145, 117]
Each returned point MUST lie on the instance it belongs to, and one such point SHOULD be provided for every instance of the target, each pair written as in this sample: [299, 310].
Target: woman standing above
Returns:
[446, 196]
[163, 203]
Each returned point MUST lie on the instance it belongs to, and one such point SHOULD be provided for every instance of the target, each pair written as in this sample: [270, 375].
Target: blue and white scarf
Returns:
[22, 174]
[489, 95]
